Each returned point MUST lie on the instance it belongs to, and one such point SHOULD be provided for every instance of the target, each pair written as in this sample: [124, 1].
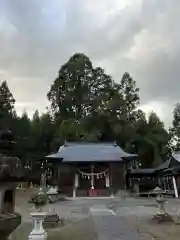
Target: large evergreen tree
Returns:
[80, 93]
[174, 141]
[151, 141]
[86, 104]
[22, 131]
[7, 109]
[91, 106]
[127, 112]
[70, 91]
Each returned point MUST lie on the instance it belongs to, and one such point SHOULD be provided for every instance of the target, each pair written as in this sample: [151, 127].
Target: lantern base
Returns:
[37, 235]
[38, 232]
[162, 218]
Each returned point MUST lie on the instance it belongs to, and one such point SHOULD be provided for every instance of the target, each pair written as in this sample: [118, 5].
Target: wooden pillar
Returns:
[92, 177]
[159, 182]
[136, 188]
[175, 186]
[125, 176]
[110, 180]
[74, 192]
[58, 177]
[107, 180]
[164, 183]
[76, 184]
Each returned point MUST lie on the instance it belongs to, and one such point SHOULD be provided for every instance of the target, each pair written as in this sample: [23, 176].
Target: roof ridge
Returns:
[88, 143]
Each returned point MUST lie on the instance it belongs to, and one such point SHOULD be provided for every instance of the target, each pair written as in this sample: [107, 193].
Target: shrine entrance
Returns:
[93, 180]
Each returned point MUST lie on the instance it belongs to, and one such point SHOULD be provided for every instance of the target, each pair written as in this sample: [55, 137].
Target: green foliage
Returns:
[22, 130]
[87, 105]
[69, 94]
[7, 110]
[151, 140]
[174, 138]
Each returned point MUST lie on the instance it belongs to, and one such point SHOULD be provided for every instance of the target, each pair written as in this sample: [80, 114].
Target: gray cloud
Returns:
[142, 37]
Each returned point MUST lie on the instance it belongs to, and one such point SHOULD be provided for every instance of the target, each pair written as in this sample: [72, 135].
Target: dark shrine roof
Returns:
[90, 152]
[173, 163]
[176, 157]
[164, 165]
[143, 171]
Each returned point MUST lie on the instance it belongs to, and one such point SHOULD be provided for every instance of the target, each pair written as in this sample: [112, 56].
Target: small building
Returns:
[166, 176]
[170, 176]
[90, 169]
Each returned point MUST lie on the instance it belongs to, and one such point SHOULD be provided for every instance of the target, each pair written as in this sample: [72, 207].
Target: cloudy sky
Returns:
[138, 36]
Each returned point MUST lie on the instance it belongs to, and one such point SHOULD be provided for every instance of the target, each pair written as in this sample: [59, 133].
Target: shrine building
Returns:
[90, 169]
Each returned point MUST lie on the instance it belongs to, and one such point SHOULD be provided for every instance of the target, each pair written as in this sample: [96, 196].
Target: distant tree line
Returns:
[88, 105]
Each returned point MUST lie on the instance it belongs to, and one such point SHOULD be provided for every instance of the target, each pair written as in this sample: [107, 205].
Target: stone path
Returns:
[112, 227]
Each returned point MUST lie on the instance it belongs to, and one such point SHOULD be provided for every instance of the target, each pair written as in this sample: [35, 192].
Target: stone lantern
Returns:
[161, 215]
[10, 173]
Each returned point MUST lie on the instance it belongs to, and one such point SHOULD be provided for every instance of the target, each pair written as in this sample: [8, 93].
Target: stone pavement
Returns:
[110, 216]
[111, 227]
[78, 209]
[116, 228]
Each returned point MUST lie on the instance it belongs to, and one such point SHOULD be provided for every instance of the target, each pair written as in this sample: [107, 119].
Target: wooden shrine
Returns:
[90, 169]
